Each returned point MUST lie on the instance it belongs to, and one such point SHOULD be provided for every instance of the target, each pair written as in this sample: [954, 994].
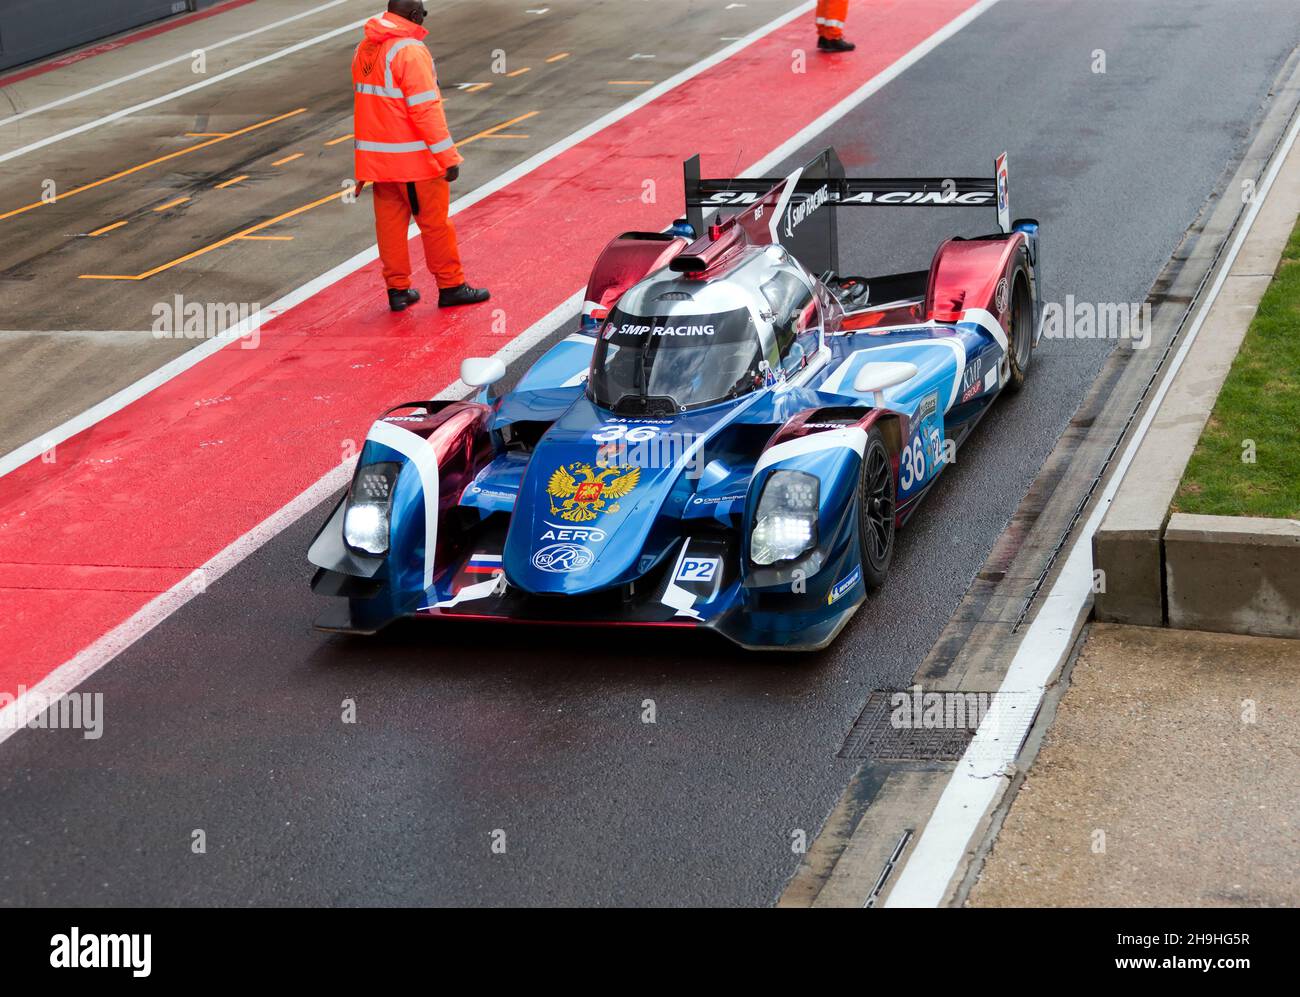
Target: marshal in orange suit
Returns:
[405, 150]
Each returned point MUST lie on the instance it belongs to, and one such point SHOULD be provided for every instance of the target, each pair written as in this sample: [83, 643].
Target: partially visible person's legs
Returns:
[441, 252]
[392, 219]
[830, 25]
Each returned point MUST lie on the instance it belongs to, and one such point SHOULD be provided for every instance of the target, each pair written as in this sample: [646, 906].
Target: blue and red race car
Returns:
[730, 441]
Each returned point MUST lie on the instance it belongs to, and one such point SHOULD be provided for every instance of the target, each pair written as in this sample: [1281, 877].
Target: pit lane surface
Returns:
[227, 717]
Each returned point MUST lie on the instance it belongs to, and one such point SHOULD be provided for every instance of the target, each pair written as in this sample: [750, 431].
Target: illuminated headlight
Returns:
[365, 522]
[786, 524]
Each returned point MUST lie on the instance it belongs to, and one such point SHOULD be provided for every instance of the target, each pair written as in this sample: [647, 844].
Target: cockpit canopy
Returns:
[674, 343]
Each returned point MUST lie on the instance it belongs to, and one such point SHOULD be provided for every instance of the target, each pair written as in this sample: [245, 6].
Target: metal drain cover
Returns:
[877, 734]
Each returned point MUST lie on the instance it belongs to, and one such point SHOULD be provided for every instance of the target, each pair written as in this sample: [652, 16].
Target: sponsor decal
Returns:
[797, 214]
[637, 331]
[697, 569]
[733, 197]
[405, 418]
[929, 407]
[1002, 295]
[716, 500]
[492, 493]
[585, 493]
[841, 588]
[971, 380]
[972, 199]
[563, 558]
[559, 533]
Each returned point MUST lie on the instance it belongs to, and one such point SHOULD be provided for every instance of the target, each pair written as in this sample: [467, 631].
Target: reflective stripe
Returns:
[442, 146]
[421, 98]
[388, 61]
[375, 91]
[364, 146]
[830, 23]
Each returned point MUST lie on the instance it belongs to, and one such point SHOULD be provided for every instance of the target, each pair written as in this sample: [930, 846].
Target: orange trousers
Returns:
[393, 212]
[830, 17]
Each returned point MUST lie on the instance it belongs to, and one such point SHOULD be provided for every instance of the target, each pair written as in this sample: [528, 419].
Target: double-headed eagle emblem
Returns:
[585, 492]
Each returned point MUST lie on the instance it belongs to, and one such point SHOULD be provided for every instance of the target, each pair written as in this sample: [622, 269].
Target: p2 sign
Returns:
[697, 569]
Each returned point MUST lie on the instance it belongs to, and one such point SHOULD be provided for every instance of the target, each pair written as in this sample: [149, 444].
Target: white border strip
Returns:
[72, 673]
[977, 780]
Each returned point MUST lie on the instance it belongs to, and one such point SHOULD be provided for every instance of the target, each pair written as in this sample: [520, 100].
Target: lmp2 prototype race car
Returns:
[730, 441]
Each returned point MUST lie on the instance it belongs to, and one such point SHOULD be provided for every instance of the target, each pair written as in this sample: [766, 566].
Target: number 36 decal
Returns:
[610, 432]
[912, 461]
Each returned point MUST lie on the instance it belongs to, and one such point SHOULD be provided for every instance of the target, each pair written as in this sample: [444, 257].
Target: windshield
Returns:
[688, 360]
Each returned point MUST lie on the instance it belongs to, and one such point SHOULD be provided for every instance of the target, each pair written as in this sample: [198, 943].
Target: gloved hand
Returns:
[453, 174]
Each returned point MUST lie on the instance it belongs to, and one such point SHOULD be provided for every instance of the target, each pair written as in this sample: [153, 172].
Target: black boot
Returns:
[463, 295]
[398, 300]
[835, 45]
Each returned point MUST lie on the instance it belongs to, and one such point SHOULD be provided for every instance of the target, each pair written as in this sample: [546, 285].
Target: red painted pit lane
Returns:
[133, 505]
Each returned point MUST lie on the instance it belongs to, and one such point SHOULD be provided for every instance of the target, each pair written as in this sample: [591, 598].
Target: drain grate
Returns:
[875, 736]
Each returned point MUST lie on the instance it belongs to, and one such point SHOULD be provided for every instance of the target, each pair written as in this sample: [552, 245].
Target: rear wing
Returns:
[788, 209]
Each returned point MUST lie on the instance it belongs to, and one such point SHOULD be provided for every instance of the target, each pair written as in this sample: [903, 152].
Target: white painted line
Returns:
[72, 673]
[207, 81]
[977, 780]
[187, 57]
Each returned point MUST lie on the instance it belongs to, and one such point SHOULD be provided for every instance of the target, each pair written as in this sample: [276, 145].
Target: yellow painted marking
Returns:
[232, 181]
[558, 56]
[267, 238]
[288, 159]
[253, 230]
[171, 204]
[519, 72]
[207, 134]
[504, 135]
[341, 138]
[490, 132]
[477, 87]
[630, 83]
[106, 228]
[154, 162]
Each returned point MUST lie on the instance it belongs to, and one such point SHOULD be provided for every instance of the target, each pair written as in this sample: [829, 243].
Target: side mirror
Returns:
[874, 378]
[479, 372]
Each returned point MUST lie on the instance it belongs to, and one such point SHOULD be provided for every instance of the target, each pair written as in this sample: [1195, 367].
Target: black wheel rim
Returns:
[878, 507]
[1022, 335]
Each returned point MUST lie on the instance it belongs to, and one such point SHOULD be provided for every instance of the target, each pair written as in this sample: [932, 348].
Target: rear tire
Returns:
[1020, 334]
[876, 510]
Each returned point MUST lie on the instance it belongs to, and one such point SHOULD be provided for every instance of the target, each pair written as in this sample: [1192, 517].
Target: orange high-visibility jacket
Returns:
[400, 129]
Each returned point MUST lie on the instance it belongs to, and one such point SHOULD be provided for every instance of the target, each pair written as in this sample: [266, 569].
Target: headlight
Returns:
[786, 524]
[365, 523]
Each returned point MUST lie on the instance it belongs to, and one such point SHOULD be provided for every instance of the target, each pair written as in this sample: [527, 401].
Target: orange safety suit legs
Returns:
[830, 18]
[393, 211]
